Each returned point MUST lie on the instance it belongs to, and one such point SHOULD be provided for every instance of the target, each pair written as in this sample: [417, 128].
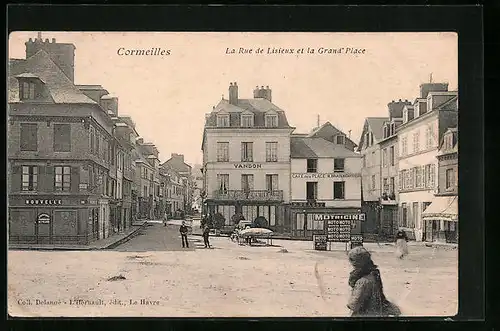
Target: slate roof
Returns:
[59, 87]
[377, 126]
[258, 107]
[449, 104]
[305, 147]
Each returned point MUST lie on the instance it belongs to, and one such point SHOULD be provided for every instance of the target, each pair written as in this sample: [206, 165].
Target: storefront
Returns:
[304, 220]
[441, 220]
[52, 219]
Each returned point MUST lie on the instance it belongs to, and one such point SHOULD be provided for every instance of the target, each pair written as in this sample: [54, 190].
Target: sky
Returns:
[168, 96]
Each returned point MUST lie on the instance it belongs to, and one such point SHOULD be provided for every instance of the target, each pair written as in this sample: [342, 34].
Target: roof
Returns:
[305, 147]
[257, 106]
[328, 126]
[60, 88]
[376, 125]
[449, 104]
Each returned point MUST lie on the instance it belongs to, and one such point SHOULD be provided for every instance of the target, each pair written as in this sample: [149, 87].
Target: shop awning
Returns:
[442, 208]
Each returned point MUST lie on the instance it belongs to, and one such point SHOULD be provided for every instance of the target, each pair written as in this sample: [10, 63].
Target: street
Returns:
[154, 276]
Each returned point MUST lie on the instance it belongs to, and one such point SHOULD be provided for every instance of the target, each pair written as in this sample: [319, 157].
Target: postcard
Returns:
[232, 174]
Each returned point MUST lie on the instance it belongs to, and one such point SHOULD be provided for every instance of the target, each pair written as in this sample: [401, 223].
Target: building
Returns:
[176, 163]
[144, 181]
[246, 158]
[424, 124]
[441, 216]
[197, 188]
[59, 160]
[174, 193]
[388, 201]
[325, 180]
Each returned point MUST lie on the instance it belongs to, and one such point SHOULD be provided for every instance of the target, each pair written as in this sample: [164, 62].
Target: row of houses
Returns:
[410, 166]
[256, 165]
[78, 171]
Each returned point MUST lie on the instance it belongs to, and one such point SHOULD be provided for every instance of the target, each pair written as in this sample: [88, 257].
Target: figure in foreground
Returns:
[184, 231]
[367, 296]
[206, 235]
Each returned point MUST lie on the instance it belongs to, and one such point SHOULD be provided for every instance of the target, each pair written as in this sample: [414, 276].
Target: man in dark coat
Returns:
[367, 296]
[184, 231]
[206, 235]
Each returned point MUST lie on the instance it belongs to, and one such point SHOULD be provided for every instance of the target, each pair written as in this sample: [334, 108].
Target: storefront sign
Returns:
[43, 202]
[308, 204]
[356, 238]
[339, 230]
[314, 175]
[43, 218]
[339, 217]
[320, 242]
[247, 166]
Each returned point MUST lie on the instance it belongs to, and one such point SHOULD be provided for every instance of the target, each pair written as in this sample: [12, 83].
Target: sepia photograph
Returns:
[232, 174]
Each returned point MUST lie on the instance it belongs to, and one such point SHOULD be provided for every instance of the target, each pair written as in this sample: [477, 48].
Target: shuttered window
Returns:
[62, 137]
[29, 137]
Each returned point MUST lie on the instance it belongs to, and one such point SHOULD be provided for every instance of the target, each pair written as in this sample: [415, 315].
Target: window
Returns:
[271, 152]
[247, 152]
[29, 137]
[338, 165]
[272, 182]
[391, 155]
[450, 179]
[371, 138]
[62, 137]
[429, 175]
[404, 146]
[27, 91]
[373, 182]
[340, 139]
[401, 180]
[223, 120]
[404, 215]
[419, 178]
[223, 182]
[247, 121]
[416, 142]
[392, 188]
[339, 190]
[386, 131]
[448, 141]
[312, 165]
[92, 140]
[367, 139]
[222, 152]
[386, 185]
[271, 121]
[30, 178]
[311, 190]
[145, 191]
[247, 182]
[62, 181]
[384, 157]
[408, 179]
[374, 160]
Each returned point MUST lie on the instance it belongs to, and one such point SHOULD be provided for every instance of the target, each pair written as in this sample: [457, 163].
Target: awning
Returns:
[442, 208]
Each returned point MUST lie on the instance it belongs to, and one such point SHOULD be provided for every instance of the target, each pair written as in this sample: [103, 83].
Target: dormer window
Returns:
[247, 120]
[223, 120]
[27, 90]
[393, 129]
[340, 139]
[271, 121]
[405, 115]
[448, 141]
[386, 131]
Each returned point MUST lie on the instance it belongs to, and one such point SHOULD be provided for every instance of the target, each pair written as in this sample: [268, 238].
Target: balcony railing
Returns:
[251, 195]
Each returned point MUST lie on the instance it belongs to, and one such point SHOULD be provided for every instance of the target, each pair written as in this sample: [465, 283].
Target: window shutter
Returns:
[16, 178]
[75, 179]
[42, 178]
[49, 179]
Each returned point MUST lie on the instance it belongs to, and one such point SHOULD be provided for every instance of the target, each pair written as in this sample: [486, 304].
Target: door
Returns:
[311, 191]
[43, 226]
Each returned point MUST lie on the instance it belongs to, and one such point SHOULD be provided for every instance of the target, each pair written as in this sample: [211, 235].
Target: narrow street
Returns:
[156, 237]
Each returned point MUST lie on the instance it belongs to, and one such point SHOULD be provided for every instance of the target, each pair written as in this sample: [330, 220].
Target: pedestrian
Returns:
[184, 231]
[206, 235]
[367, 294]
[401, 244]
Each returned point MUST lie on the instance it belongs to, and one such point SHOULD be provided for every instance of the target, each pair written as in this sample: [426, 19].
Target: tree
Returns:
[260, 222]
[218, 221]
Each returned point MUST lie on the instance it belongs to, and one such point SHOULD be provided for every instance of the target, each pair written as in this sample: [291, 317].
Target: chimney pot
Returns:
[399, 100]
[53, 40]
[262, 87]
[230, 84]
[267, 86]
[46, 40]
[30, 40]
[235, 83]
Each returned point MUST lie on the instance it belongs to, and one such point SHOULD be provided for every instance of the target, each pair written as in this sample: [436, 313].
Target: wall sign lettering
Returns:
[43, 202]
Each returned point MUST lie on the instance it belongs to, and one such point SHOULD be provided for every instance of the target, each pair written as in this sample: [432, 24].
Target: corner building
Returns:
[246, 158]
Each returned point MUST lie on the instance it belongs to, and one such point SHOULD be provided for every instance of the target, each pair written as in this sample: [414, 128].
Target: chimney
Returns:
[179, 157]
[256, 93]
[233, 93]
[396, 108]
[63, 55]
[140, 141]
[432, 87]
[267, 94]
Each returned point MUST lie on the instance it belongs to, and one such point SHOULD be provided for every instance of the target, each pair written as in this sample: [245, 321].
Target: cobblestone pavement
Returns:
[151, 275]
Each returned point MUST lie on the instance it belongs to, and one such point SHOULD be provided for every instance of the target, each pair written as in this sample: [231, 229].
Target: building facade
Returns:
[177, 164]
[441, 217]
[325, 179]
[246, 158]
[58, 171]
[424, 124]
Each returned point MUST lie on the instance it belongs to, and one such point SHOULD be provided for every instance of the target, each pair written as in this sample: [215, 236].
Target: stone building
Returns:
[441, 217]
[59, 173]
[424, 124]
[246, 158]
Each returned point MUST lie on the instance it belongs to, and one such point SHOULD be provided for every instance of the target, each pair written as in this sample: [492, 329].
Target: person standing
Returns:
[206, 235]
[401, 244]
[367, 294]
[184, 231]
